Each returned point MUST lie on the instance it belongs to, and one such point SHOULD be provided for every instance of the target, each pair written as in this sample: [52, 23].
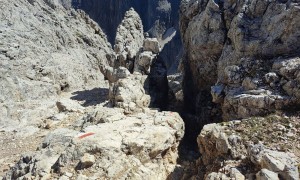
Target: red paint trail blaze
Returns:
[86, 135]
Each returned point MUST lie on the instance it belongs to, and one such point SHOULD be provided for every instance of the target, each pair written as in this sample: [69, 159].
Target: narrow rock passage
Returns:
[233, 113]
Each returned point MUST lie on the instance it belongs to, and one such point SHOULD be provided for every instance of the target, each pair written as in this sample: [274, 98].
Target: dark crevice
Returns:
[158, 84]
[226, 29]
[197, 108]
[162, 99]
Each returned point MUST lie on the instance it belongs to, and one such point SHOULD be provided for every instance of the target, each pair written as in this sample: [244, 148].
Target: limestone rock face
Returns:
[129, 38]
[265, 174]
[45, 49]
[159, 17]
[175, 86]
[218, 146]
[130, 93]
[136, 55]
[127, 91]
[219, 142]
[143, 62]
[137, 146]
[244, 50]
[151, 44]
[262, 93]
[50, 59]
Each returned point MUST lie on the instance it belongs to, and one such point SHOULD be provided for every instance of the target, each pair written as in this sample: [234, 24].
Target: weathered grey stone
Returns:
[151, 44]
[140, 145]
[82, 177]
[203, 39]
[233, 44]
[250, 84]
[212, 143]
[129, 38]
[67, 105]
[271, 77]
[51, 51]
[255, 152]
[217, 93]
[113, 75]
[281, 163]
[230, 153]
[265, 174]
[175, 85]
[236, 174]
[216, 176]
[129, 93]
[87, 160]
[143, 62]
[278, 162]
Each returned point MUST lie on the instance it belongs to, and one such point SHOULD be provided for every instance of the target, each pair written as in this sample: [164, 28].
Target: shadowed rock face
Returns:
[233, 49]
[157, 16]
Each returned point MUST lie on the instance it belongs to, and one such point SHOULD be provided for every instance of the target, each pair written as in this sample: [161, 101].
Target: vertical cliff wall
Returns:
[237, 54]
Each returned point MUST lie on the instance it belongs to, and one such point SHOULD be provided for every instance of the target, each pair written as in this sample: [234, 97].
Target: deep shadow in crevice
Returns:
[91, 97]
[158, 84]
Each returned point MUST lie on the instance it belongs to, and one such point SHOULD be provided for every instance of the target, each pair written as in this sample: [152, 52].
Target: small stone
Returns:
[67, 105]
[281, 127]
[236, 122]
[68, 174]
[290, 134]
[234, 139]
[271, 77]
[249, 83]
[122, 72]
[48, 125]
[58, 117]
[87, 160]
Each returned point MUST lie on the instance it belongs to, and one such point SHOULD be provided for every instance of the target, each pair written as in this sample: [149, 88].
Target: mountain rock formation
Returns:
[241, 51]
[242, 61]
[43, 53]
[160, 20]
[73, 106]
[52, 61]
[129, 39]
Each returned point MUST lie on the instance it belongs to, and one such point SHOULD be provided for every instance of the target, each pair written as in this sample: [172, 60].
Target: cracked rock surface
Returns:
[79, 125]
[45, 49]
[242, 51]
[134, 146]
